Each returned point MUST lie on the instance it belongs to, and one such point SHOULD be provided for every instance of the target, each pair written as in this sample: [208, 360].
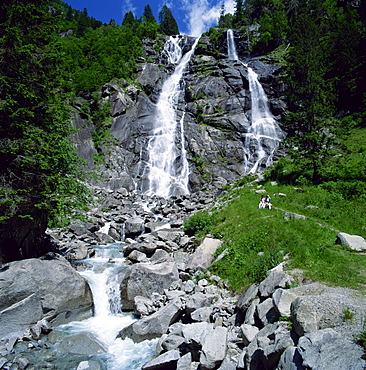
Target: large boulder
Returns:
[203, 256]
[33, 289]
[355, 242]
[326, 348]
[153, 326]
[143, 279]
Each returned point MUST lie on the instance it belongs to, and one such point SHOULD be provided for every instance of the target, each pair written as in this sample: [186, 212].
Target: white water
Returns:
[108, 319]
[167, 165]
[264, 135]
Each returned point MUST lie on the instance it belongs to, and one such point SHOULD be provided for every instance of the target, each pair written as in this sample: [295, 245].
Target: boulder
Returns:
[166, 361]
[249, 332]
[203, 256]
[143, 279]
[33, 289]
[214, 349]
[290, 360]
[326, 348]
[282, 299]
[154, 325]
[81, 344]
[88, 365]
[266, 312]
[247, 297]
[355, 242]
[275, 279]
[133, 227]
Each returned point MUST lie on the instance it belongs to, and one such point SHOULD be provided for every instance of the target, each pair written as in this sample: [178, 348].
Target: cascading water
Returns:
[264, 135]
[101, 274]
[167, 165]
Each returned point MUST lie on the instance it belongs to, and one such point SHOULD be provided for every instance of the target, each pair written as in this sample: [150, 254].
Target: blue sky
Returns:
[193, 16]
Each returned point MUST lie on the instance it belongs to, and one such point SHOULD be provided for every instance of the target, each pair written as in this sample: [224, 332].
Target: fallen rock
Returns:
[167, 360]
[355, 242]
[154, 325]
[324, 348]
[214, 349]
[143, 279]
[203, 256]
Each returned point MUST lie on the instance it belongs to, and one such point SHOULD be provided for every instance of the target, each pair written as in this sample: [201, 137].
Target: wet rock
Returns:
[143, 279]
[133, 227]
[34, 288]
[165, 361]
[81, 344]
[88, 365]
[154, 325]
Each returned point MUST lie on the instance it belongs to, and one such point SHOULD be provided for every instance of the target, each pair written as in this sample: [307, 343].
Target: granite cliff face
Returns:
[214, 102]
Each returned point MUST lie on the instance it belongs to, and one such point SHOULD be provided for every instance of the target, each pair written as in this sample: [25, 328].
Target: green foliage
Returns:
[39, 164]
[259, 239]
[101, 55]
[168, 24]
[197, 223]
[348, 314]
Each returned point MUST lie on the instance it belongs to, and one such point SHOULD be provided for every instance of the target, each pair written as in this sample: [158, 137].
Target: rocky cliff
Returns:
[214, 102]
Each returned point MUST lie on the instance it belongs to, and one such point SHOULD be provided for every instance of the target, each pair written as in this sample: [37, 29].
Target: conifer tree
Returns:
[168, 24]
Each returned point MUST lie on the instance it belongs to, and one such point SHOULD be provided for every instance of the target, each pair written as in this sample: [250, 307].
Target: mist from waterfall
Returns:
[264, 134]
[167, 165]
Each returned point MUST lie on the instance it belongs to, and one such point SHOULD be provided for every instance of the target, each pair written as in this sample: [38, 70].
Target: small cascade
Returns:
[102, 275]
[167, 166]
[264, 134]
[231, 49]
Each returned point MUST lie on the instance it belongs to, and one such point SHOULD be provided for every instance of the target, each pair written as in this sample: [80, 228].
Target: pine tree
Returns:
[39, 168]
[168, 25]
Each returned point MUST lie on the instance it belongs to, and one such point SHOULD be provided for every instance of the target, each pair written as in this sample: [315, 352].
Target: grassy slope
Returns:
[258, 239]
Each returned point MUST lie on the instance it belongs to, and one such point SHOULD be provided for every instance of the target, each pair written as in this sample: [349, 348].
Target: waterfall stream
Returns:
[167, 164]
[101, 273]
[264, 134]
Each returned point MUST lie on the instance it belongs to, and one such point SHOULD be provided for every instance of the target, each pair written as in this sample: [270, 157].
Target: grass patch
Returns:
[258, 239]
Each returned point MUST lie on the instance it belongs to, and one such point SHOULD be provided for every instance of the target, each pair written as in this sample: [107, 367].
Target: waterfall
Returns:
[231, 49]
[264, 134]
[167, 165]
[102, 275]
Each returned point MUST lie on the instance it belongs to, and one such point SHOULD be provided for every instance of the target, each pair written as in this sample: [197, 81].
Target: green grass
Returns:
[258, 239]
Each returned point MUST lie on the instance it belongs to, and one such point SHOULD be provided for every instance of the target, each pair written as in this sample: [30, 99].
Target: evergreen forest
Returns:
[51, 55]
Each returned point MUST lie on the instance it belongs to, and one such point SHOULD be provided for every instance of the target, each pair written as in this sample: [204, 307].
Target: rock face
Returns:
[214, 105]
[33, 289]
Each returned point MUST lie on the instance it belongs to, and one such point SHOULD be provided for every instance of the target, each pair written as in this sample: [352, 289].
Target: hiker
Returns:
[262, 202]
[268, 202]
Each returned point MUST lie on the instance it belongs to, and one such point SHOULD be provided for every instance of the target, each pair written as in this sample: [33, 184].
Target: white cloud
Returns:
[202, 14]
[127, 7]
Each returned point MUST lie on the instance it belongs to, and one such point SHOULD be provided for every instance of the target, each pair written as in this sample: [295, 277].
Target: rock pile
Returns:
[279, 323]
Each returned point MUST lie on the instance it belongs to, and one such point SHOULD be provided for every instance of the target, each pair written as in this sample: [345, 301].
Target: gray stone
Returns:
[290, 360]
[196, 333]
[154, 325]
[172, 341]
[143, 279]
[143, 306]
[355, 242]
[133, 227]
[275, 279]
[166, 361]
[89, 365]
[249, 332]
[202, 314]
[214, 348]
[282, 299]
[81, 344]
[203, 255]
[266, 312]
[185, 362]
[36, 288]
[247, 297]
[136, 256]
[198, 300]
[249, 315]
[324, 348]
